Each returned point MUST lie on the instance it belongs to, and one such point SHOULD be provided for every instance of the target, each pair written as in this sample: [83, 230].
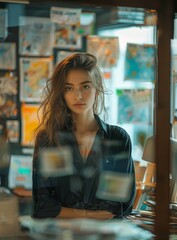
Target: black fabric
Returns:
[79, 190]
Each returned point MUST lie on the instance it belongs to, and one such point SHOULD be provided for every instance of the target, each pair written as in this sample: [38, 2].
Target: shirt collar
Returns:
[102, 125]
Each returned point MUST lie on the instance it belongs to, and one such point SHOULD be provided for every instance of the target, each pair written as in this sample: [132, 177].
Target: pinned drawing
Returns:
[33, 77]
[36, 36]
[106, 49]
[7, 56]
[67, 37]
[30, 122]
[8, 96]
[140, 62]
[134, 105]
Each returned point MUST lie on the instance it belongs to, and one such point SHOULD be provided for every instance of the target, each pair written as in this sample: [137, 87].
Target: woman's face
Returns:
[79, 92]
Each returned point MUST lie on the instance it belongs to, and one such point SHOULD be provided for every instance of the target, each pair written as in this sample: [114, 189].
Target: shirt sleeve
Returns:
[124, 165]
[45, 204]
[129, 166]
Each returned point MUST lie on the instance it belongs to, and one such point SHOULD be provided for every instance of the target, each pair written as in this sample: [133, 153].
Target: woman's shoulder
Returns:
[116, 130]
[112, 131]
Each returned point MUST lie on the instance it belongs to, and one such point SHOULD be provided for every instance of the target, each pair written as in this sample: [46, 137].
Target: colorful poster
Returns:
[36, 36]
[13, 128]
[8, 96]
[30, 121]
[7, 56]
[106, 49]
[68, 16]
[134, 106]
[67, 37]
[20, 172]
[34, 73]
[140, 62]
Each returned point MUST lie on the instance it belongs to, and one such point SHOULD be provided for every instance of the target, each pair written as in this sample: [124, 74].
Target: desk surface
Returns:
[21, 192]
[75, 229]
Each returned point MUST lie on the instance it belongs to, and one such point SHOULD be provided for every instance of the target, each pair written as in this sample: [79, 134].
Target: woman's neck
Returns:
[84, 124]
[85, 129]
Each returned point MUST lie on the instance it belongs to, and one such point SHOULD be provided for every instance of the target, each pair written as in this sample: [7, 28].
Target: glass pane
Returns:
[83, 160]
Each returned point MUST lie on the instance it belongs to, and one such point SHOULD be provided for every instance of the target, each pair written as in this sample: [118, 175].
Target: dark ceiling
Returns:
[106, 16]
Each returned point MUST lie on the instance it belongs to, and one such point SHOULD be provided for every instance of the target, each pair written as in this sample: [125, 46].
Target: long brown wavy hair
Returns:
[55, 113]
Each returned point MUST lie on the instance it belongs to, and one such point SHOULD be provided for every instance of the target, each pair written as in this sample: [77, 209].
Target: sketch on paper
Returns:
[36, 36]
[68, 37]
[68, 16]
[33, 77]
[8, 96]
[106, 49]
[30, 122]
[13, 129]
[134, 106]
[56, 161]
[7, 56]
[114, 186]
[140, 62]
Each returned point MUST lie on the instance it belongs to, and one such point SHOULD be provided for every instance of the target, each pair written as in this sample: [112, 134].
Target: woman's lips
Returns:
[79, 104]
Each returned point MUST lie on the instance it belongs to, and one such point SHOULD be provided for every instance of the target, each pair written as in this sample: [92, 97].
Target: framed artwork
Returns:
[36, 36]
[106, 49]
[134, 105]
[7, 56]
[140, 62]
[29, 122]
[67, 37]
[8, 95]
[33, 75]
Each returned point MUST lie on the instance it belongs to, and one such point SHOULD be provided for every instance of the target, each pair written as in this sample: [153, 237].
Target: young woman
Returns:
[73, 98]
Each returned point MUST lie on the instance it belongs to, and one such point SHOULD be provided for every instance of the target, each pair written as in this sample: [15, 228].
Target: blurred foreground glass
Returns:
[9, 213]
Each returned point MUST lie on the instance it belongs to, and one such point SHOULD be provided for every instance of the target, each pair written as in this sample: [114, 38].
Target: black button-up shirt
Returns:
[79, 190]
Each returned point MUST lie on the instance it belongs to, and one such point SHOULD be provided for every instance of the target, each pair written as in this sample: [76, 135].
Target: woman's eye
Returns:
[67, 89]
[86, 87]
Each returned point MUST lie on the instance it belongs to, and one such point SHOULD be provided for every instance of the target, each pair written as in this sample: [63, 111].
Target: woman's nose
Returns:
[78, 95]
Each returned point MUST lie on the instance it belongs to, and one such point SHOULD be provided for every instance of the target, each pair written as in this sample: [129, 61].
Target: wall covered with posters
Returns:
[32, 42]
[33, 39]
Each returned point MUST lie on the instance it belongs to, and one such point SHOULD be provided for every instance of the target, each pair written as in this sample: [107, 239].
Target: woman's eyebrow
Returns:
[71, 84]
[85, 82]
